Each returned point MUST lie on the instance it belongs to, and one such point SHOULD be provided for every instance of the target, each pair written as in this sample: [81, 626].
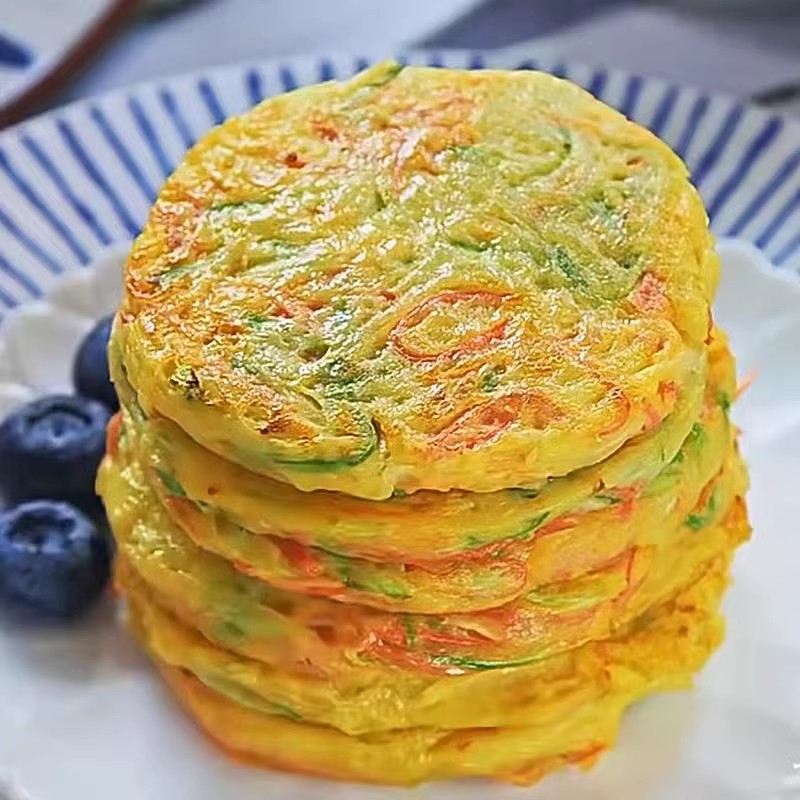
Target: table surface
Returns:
[733, 52]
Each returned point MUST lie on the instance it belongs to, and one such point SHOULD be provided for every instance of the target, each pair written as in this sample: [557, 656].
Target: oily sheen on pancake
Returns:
[426, 525]
[290, 630]
[420, 279]
[379, 701]
[564, 546]
[661, 653]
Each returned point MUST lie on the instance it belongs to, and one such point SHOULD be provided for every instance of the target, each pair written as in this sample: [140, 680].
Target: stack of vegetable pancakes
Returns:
[424, 466]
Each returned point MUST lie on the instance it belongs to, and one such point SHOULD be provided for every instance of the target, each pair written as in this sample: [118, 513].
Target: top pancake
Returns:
[420, 279]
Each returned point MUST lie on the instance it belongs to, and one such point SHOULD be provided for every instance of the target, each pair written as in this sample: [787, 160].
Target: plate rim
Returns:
[529, 50]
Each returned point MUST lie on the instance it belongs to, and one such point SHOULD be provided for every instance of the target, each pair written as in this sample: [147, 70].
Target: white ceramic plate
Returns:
[81, 714]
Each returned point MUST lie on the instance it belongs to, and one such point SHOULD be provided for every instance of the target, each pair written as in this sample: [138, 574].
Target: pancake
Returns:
[420, 279]
[565, 547]
[567, 714]
[425, 526]
[424, 466]
[338, 639]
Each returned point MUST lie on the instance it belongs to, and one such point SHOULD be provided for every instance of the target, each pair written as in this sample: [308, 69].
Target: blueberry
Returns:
[51, 448]
[90, 369]
[53, 560]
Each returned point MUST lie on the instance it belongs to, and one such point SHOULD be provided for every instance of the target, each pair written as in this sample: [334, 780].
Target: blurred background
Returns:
[746, 47]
